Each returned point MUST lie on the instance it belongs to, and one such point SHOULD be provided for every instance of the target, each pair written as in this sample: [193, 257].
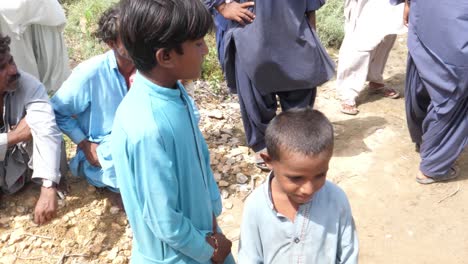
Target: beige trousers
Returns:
[370, 32]
[355, 67]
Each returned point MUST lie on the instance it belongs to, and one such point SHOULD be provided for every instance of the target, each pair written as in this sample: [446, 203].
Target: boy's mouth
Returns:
[303, 198]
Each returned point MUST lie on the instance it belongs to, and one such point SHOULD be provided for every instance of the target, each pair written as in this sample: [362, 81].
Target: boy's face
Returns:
[299, 176]
[189, 64]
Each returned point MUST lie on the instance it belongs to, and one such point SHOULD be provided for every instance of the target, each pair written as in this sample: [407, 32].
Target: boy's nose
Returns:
[307, 189]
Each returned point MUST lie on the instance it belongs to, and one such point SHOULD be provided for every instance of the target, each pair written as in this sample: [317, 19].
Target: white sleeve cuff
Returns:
[3, 145]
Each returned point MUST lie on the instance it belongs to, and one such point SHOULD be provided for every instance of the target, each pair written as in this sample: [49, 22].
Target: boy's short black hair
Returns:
[108, 25]
[304, 131]
[4, 44]
[150, 25]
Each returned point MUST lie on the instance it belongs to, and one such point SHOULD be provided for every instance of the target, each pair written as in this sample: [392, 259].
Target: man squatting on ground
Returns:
[29, 136]
[85, 105]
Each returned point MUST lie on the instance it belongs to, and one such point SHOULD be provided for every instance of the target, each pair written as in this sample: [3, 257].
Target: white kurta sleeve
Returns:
[3, 145]
[47, 137]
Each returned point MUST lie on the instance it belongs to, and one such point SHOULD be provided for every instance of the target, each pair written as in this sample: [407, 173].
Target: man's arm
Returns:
[312, 19]
[72, 99]
[311, 7]
[47, 141]
[406, 13]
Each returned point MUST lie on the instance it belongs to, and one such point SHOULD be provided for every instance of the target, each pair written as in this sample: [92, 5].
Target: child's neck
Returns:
[161, 78]
[281, 201]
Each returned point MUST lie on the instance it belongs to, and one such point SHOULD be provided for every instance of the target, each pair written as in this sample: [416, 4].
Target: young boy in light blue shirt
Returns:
[297, 216]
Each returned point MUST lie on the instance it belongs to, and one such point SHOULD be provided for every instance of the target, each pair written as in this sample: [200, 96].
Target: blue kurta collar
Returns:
[267, 192]
[163, 92]
[112, 60]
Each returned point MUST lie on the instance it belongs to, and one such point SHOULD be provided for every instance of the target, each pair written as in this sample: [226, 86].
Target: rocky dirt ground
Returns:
[398, 221]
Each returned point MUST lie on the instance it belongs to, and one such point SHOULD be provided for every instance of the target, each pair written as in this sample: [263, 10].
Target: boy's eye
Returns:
[320, 176]
[295, 179]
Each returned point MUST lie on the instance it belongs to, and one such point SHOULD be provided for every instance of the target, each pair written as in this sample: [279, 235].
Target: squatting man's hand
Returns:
[89, 149]
[237, 12]
[46, 206]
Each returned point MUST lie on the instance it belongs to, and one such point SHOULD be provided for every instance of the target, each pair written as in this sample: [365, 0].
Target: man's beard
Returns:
[13, 81]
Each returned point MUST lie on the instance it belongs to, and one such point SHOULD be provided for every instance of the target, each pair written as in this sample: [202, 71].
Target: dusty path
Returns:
[398, 220]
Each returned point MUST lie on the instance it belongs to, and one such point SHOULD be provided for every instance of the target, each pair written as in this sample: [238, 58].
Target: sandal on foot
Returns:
[386, 92]
[452, 174]
[349, 109]
[262, 165]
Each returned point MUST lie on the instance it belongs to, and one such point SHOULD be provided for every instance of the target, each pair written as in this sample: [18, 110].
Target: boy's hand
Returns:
[224, 248]
[237, 12]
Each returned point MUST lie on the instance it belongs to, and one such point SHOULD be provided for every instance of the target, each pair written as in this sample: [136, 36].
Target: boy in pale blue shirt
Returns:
[297, 216]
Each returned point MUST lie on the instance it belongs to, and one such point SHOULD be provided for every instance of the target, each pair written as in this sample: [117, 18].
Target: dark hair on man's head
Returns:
[304, 131]
[4, 44]
[108, 25]
[150, 25]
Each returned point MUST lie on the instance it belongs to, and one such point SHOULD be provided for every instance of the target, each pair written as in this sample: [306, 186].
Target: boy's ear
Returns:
[164, 58]
[267, 159]
[112, 45]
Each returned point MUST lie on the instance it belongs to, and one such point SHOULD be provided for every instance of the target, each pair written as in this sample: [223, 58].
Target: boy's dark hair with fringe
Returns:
[305, 131]
[108, 25]
[4, 44]
[150, 25]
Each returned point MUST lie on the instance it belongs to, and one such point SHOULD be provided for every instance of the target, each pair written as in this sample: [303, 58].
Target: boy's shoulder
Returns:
[135, 117]
[258, 198]
[94, 65]
[333, 195]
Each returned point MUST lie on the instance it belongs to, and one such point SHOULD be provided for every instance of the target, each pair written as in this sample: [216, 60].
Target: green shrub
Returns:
[330, 23]
[83, 16]
[211, 70]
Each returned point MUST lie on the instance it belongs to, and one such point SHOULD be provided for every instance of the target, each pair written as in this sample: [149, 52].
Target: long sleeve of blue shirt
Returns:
[86, 102]
[71, 99]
